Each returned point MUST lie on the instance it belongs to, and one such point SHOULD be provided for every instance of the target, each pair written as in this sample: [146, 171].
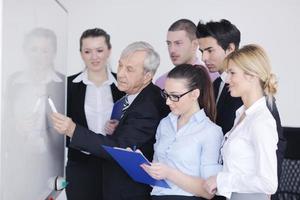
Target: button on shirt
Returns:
[98, 102]
[249, 153]
[193, 149]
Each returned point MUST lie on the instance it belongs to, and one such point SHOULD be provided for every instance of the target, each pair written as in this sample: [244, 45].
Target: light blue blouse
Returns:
[193, 149]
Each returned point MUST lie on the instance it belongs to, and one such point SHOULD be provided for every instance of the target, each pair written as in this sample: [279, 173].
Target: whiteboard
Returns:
[34, 49]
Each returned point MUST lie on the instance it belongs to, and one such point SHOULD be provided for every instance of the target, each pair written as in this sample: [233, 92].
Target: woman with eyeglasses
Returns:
[249, 150]
[187, 140]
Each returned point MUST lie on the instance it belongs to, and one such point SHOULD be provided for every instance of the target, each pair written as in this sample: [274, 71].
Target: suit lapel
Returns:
[216, 85]
[223, 95]
[139, 98]
[79, 90]
[116, 94]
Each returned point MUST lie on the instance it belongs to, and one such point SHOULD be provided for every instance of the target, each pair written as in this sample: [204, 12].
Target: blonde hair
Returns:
[253, 60]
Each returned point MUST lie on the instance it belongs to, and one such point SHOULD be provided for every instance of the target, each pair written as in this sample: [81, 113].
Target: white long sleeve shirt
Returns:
[249, 153]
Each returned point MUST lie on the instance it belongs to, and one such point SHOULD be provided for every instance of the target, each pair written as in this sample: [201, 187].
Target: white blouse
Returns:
[98, 102]
[249, 153]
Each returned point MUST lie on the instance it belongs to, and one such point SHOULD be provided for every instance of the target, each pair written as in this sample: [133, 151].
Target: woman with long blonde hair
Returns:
[248, 152]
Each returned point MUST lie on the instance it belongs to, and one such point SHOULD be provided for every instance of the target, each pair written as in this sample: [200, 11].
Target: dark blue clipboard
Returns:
[117, 109]
[130, 161]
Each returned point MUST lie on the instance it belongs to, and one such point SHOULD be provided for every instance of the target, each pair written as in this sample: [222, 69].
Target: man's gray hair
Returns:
[152, 59]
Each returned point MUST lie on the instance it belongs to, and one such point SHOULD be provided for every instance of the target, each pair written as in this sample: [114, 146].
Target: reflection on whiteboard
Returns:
[33, 151]
[33, 69]
[27, 91]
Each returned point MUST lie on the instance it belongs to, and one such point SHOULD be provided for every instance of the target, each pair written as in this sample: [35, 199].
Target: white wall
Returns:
[1, 5]
[274, 24]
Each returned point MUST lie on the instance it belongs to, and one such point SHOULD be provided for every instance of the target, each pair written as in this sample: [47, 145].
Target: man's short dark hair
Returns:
[223, 31]
[95, 32]
[185, 25]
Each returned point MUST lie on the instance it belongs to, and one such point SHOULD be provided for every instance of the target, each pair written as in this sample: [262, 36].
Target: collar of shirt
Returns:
[254, 107]
[224, 76]
[84, 78]
[196, 117]
[131, 98]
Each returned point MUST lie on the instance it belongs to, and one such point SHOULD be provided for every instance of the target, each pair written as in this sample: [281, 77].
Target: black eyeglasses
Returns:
[173, 97]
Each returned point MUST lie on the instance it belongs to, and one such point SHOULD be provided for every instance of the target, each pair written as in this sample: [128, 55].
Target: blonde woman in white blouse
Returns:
[248, 152]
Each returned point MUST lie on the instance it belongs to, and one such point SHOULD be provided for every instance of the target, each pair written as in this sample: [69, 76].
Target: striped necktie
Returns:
[125, 105]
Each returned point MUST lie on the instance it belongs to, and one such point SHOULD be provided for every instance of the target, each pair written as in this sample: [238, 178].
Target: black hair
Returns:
[223, 31]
